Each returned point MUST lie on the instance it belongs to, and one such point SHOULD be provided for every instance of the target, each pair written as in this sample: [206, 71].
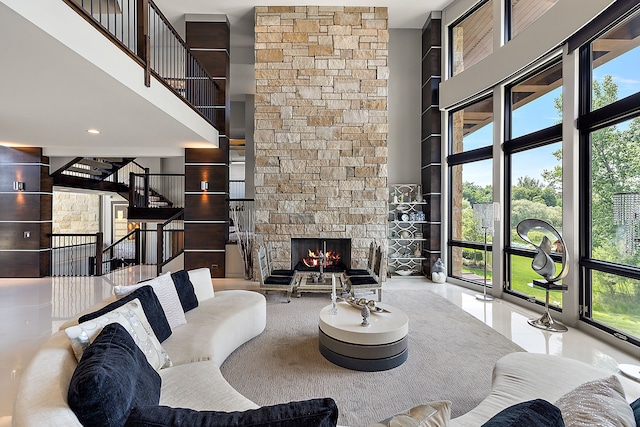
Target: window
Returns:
[610, 185]
[524, 12]
[614, 62]
[536, 102]
[471, 39]
[536, 192]
[472, 126]
[533, 161]
[471, 195]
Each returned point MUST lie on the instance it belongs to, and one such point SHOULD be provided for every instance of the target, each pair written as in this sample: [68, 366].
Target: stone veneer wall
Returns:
[321, 126]
[76, 212]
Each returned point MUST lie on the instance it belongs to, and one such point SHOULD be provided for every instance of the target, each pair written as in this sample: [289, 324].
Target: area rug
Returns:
[451, 356]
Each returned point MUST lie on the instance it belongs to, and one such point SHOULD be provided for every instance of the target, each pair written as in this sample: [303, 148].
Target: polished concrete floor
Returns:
[30, 309]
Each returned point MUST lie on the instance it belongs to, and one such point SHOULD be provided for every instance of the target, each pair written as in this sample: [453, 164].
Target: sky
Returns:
[540, 114]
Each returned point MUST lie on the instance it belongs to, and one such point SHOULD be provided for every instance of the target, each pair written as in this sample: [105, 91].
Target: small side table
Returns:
[546, 322]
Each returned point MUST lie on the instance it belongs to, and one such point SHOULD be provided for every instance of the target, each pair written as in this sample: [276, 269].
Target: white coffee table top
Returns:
[384, 328]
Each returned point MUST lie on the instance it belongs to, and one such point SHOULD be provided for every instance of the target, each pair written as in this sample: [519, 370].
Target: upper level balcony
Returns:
[90, 64]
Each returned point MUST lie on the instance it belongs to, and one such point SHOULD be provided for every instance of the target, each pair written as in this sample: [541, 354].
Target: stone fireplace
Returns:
[321, 127]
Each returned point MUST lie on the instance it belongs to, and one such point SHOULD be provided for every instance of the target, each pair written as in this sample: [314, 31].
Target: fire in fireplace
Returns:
[307, 254]
[327, 259]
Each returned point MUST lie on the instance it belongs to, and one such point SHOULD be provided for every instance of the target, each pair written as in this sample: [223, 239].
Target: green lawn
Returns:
[626, 322]
[523, 274]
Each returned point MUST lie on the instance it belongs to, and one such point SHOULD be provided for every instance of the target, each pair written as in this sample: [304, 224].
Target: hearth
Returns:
[306, 254]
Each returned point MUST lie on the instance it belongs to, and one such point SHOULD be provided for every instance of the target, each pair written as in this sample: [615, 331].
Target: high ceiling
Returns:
[51, 94]
[402, 13]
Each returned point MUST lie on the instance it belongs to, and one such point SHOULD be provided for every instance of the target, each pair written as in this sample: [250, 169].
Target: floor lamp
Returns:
[484, 215]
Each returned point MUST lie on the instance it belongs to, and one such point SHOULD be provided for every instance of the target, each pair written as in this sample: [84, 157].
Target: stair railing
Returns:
[140, 29]
[123, 253]
[76, 254]
[154, 190]
[121, 176]
[170, 240]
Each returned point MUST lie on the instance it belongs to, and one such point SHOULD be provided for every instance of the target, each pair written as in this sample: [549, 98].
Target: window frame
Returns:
[590, 121]
[455, 23]
[536, 139]
[458, 159]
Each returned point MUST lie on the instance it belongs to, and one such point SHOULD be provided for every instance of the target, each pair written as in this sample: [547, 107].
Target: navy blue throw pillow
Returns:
[150, 305]
[186, 293]
[534, 413]
[636, 410]
[308, 413]
[112, 377]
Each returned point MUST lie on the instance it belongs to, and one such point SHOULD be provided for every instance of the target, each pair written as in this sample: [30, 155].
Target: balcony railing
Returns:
[170, 240]
[149, 190]
[145, 34]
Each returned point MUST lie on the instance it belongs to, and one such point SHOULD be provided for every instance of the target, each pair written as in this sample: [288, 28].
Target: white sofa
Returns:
[221, 323]
[520, 377]
[224, 321]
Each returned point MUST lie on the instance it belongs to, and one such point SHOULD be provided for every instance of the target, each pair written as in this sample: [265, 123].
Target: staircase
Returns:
[124, 176]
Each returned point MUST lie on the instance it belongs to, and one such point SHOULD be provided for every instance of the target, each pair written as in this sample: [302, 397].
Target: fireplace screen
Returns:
[306, 254]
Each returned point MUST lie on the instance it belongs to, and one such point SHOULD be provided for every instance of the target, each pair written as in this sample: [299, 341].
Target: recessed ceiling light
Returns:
[94, 131]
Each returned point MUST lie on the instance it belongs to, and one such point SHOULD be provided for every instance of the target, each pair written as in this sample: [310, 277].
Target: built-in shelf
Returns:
[405, 234]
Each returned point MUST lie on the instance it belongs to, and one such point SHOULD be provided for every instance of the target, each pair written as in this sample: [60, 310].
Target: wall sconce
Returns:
[204, 185]
[18, 186]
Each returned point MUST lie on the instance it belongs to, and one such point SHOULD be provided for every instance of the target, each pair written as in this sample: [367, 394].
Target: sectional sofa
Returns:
[199, 331]
[219, 324]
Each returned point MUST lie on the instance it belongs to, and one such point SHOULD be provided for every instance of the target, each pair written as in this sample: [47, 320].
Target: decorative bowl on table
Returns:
[361, 302]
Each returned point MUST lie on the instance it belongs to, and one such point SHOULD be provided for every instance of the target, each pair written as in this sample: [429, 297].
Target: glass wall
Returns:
[610, 188]
[533, 158]
[471, 38]
[533, 196]
[471, 196]
[599, 206]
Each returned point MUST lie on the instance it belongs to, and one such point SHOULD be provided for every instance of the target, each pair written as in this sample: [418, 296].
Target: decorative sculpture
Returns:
[542, 263]
[545, 266]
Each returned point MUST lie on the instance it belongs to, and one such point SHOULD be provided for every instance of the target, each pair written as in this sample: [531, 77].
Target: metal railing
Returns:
[122, 253]
[145, 34]
[149, 190]
[122, 175]
[170, 239]
[118, 17]
[75, 254]
[136, 248]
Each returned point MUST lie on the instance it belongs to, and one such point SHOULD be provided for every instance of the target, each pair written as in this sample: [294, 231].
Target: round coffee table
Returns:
[380, 346]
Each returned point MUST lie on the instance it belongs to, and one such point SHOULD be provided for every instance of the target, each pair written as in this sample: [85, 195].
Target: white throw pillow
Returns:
[599, 403]
[167, 295]
[432, 414]
[202, 285]
[131, 316]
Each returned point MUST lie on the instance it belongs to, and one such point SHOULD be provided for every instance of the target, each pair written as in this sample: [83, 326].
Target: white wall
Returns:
[405, 104]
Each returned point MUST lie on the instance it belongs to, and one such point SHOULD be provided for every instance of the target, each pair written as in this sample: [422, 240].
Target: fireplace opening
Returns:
[307, 254]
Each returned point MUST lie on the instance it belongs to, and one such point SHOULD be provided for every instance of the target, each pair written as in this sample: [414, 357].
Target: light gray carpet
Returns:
[451, 355]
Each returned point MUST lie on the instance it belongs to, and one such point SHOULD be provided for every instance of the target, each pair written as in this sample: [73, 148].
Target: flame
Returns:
[314, 258]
